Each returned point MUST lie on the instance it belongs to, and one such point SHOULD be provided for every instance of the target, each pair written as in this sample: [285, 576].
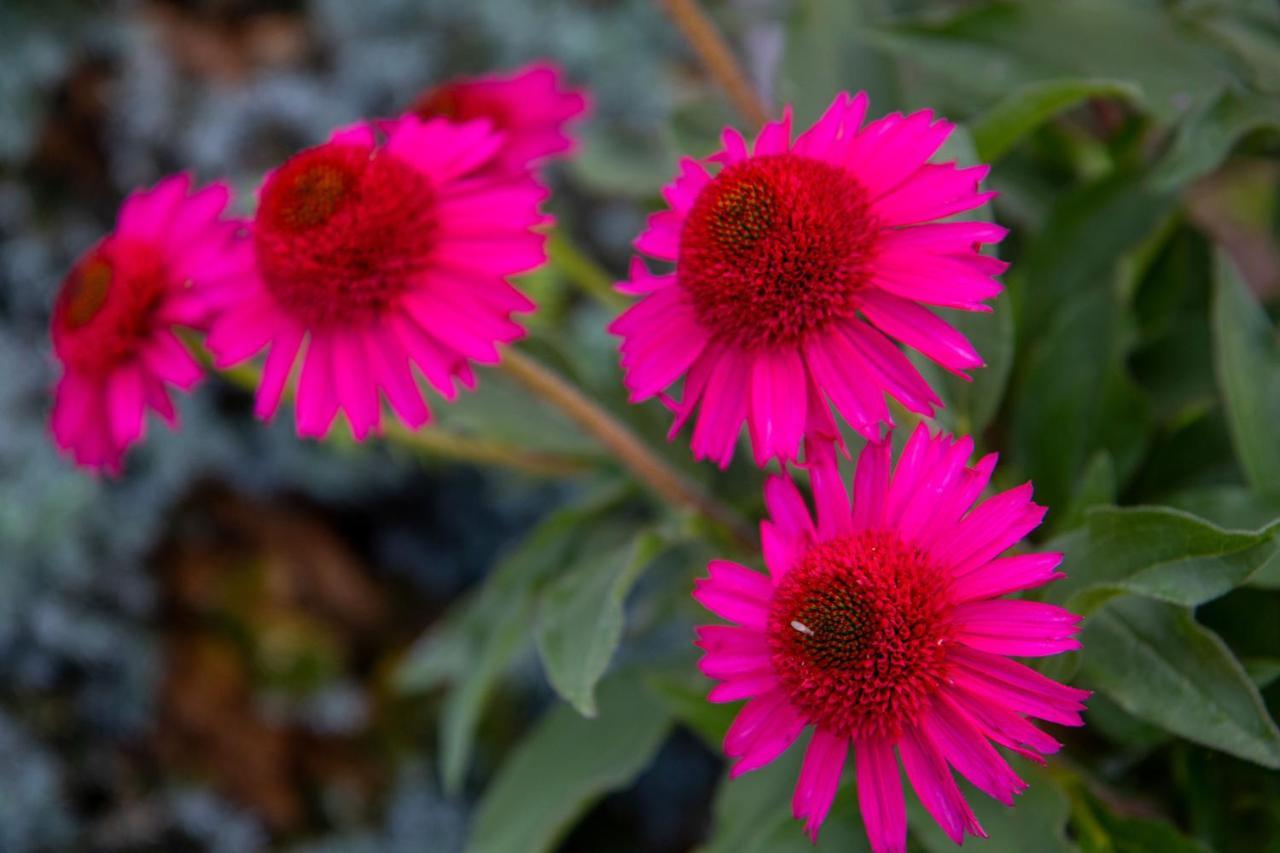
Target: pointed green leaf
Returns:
[565, 764]
[579, 620]
[1158, 664]
[1005, 124]
[1160, 553]
[1247, 352]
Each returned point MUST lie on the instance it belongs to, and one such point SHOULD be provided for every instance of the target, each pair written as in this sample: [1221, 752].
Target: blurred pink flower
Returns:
[530, 106]
[378, 256]
[796, 265]
[113, 323]
[881, 625]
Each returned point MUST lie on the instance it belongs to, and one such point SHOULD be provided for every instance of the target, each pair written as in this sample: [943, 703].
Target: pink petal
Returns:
[778, 412]
[775, 136]
[948, 282]
[770, 738]
[871, 484]
[280, 360]
[1006, 575]
[920, 329]
[934, 191]
[892, 369]
[1019, 688]
[967, 749]
[1014, 627]
[936, 789]
[839, 371]
[723, 409]
[356, 393]
[125, 404]
[880, 798]
[830, 496]
[317, 402]
[819, 780]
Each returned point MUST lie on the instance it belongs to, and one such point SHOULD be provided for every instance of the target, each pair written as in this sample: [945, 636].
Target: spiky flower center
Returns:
[342, 232]
[859, 632]
[106, 307]
[775, 248]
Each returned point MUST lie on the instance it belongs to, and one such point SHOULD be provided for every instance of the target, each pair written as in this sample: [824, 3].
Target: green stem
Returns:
[649, 467]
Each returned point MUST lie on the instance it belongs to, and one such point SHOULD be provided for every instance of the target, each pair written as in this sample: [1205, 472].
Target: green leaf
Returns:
[1108, 832]
[1037, 821]
[1072, 395]
[1159, 553]
[1158, 664]
[1005, 124]
[980, 51]
[684, 692]
[579, 619]
[1247, 353]
[1228, 506]
[826, 53]
[564, 765]
[472, 648]
[1097, 487]
[1206, 139]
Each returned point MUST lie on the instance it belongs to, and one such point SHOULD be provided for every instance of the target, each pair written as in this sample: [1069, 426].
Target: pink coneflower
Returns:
[379, 256]
[530, 106]
[795, 266]
[880, 625]
[113, 322]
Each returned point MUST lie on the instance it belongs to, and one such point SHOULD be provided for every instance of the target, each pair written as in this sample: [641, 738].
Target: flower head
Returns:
[881, 625]
[530, 106]
[796, 265]
[114, 318]
[375, 256]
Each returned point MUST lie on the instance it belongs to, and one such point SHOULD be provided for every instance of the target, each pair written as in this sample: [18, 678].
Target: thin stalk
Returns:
[612, 434]
[709, 44]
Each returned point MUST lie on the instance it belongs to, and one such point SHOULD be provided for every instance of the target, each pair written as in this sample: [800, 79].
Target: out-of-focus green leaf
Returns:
[1158, 664]
[825, 54]
[1229, 506]
[472, 648]
[1037, 820]
[1097, 487]
[1000, 128]
[1159, 553]
[684, 692]
[1103, 831]
[1204, 140]
[1072, 395]
[981, 49]
[1247, 350]
[579, 619]
[565, 764]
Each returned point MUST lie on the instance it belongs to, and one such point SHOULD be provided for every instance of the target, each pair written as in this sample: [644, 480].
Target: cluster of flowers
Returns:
[789, 270]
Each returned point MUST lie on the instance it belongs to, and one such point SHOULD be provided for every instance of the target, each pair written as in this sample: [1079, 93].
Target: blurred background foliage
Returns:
[251, 642]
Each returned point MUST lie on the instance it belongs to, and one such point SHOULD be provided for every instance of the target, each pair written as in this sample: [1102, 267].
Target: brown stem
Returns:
[630, 450]
[706, 41]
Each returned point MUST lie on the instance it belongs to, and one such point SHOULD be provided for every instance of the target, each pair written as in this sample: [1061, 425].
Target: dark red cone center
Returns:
[859, 633]
[775, 248]
[342, 232]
